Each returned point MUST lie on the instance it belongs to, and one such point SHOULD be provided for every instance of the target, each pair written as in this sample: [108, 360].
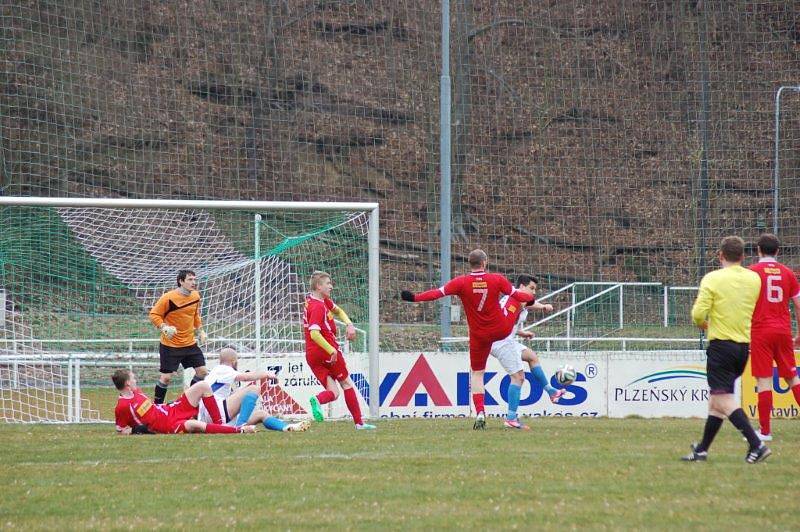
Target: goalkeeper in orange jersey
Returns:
[177, 315]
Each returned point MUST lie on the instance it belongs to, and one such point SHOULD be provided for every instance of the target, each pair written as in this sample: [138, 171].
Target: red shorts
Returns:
[481, 346]
[766, 346]
[480, 343]
[322, 367]
[171, 418]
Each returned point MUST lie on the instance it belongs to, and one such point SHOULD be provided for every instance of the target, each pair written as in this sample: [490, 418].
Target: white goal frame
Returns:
[373, 242]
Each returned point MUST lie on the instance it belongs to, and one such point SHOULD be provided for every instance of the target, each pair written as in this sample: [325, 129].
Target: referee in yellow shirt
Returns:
[724, 308]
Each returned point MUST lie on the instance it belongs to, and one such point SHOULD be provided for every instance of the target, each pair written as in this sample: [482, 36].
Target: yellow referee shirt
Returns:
[726, 299]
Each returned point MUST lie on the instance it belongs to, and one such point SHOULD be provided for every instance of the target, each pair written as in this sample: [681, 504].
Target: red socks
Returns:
[351, 399]
[213, 410]
[325, 397]
[477, 399]
[796, 392]
[765, 409]
[215, 428]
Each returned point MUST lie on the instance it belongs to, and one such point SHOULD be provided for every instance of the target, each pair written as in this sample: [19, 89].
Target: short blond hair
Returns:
[317, 277]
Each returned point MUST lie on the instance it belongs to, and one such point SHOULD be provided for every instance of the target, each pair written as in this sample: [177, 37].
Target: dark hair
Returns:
[525, 280]
[477, 257]
[182, 274]
[769, 244]
[732, 248]
[120, 377]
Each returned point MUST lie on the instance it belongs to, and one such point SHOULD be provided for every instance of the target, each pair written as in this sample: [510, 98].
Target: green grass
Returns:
[413, 473]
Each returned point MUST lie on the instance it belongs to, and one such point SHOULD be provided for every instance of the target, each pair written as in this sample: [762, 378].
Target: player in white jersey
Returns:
[238, 406]
[516, 357]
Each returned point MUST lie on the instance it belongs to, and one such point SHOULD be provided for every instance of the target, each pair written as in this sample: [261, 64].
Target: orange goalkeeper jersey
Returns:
[180, 311]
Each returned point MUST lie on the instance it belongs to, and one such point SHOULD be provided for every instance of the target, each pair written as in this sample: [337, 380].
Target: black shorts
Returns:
[172, 357]
[725, 364]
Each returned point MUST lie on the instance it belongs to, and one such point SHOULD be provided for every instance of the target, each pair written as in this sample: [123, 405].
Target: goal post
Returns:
[77, 276]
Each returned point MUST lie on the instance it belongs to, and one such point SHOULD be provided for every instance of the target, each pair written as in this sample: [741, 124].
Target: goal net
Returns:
[77, 282]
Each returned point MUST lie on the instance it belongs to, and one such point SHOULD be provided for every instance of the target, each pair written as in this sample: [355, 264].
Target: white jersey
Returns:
[523, 315]
[222, 378]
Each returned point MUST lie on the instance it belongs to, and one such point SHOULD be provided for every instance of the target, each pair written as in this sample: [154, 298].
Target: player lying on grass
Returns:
[479, 292]
[515, 356]
[238, 407]
[322, 350]
[136, 413]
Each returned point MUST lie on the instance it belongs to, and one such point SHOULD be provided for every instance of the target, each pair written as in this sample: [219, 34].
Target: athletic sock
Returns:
[246, 409]
[514, 391]
[477, 400]
[739, 420]
[210, 402]
[541, 378]
[713, 424]
[273, 423]
[325, 396]
[217, 428]
[765, 410]
[351, 399]
[796, 393]
[160, 394]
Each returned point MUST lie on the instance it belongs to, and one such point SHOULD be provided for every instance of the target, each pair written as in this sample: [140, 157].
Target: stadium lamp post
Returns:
[776, 168]
[444, 165]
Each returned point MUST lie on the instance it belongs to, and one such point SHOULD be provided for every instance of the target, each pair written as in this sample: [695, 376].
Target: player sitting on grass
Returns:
[136, 413]
[322, 350]
[513, 355]
[479, 292]
[238, 407]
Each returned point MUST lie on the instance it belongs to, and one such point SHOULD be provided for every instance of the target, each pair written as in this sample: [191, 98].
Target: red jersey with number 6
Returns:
[778, 286]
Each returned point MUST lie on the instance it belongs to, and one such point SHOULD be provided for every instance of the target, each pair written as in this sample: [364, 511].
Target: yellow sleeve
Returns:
[158, 311]
[339, 311]
[322, 342]
[702, 305]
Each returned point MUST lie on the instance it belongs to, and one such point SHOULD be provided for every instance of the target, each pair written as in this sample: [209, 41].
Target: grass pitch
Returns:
[565, 473]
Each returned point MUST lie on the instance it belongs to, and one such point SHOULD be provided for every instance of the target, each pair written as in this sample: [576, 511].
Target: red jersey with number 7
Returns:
[778, 286]
[480, 294]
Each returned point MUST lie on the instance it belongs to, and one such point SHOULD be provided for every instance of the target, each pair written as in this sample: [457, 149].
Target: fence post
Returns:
[77, 395]
[621, 309]
[69, 409]
[666, 306]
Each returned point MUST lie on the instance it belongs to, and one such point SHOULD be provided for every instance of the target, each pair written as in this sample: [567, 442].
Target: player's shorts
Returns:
[481, 346]
[323, 368]
[766, 346]
[172, 357]
[170, 418]
[509, 354]
[222, 405]
[726, 362]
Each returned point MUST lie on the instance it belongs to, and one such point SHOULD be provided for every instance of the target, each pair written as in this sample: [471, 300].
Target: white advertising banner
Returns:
[433, 385]
[437, 385]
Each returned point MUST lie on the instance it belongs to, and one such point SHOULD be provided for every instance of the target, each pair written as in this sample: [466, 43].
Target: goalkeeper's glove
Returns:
[202, 336]
[141, 429]
[168, 330]
[405, 295]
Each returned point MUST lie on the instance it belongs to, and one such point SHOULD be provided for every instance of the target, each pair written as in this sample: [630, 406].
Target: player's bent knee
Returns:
[518, 378]
[201, 372]
[165, 378]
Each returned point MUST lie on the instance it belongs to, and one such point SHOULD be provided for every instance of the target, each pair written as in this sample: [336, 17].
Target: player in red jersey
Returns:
[136, 413]
[487, 321]
[771, 332]
[322, 349]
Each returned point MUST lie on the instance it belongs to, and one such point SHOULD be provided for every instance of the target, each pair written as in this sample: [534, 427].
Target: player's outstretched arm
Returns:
[429, 295]
[250, 376]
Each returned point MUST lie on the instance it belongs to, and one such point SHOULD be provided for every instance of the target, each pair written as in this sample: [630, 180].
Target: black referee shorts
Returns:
[725, 363]
[172, 357]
